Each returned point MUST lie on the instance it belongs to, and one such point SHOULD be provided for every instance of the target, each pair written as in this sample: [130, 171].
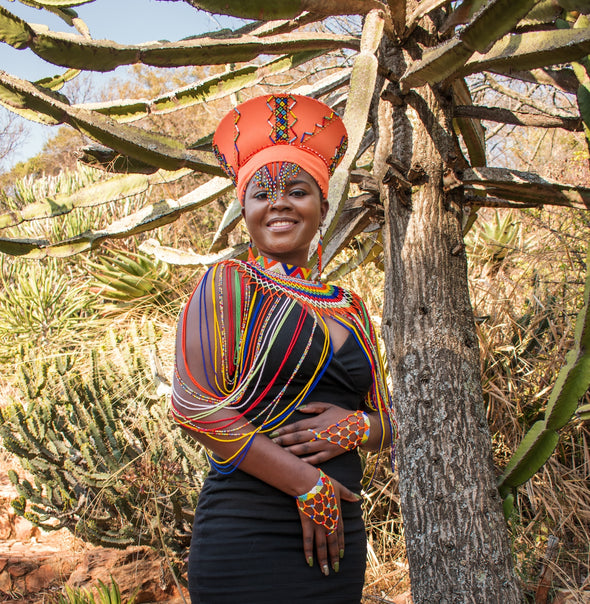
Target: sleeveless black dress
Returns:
[247, 544]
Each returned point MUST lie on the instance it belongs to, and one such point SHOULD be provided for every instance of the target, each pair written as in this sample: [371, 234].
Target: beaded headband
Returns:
[280, 128]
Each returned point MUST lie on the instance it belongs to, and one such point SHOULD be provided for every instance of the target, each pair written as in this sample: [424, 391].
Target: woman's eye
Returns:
[298, 193]
[263, 195]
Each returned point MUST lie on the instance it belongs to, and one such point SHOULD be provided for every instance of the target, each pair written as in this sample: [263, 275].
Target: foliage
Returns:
[105, 594]
[40, 303]
[525, 320]
[105, 459]
[126, 279]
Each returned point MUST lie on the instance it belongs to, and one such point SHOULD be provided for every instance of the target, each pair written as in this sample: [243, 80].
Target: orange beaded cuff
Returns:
[319, 503]
[349, 433]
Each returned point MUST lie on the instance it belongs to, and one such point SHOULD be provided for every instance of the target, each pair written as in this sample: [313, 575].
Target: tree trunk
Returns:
[456, 537]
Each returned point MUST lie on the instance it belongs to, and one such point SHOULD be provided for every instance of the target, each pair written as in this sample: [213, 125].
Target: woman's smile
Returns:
[281, 224]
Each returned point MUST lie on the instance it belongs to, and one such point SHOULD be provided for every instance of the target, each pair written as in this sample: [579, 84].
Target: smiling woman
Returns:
[280, 376]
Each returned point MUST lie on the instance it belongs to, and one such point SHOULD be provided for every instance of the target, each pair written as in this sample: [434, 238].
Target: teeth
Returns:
[281, 222]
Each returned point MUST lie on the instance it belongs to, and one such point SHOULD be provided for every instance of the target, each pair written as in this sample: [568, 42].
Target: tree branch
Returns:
[564, 79]
[521, 98]
[519, 118]
[503, 185]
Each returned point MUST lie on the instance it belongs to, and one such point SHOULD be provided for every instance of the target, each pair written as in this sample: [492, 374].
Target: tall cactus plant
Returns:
[408, 100]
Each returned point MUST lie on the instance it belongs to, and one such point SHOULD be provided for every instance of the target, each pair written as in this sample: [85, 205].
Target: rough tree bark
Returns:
[456, 537]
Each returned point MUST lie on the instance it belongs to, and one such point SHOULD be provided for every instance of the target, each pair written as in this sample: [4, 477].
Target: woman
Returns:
[279, 377]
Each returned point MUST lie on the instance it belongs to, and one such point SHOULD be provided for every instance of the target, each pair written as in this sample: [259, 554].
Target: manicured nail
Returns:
[310, 561]
[301, 407]
[325, 570]
[273, 434]
[358, 497]
[336, 566]
[341, 552]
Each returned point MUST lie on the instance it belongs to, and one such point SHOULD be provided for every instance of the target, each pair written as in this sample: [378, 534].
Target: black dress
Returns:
[247, 544]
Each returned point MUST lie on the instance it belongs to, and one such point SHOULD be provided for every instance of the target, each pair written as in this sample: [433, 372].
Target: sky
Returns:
[124, 21]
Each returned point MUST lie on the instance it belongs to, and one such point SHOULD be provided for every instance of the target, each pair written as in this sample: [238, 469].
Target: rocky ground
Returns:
[35, 565]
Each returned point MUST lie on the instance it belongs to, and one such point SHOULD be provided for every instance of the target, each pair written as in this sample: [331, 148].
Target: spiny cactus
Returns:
[570, 386]
[105, 459]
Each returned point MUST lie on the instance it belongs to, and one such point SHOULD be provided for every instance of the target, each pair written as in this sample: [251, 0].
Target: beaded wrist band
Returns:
[319, 503]
[348, 433]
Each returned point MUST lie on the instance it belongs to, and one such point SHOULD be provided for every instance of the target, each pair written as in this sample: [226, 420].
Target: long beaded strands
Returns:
[238, 360]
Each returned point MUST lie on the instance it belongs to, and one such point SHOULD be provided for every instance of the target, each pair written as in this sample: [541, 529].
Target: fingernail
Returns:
[336, 566]
[273, 434]
[358, 497]
[301, 407]
[341, 552]
[310, 561]
[325, 570]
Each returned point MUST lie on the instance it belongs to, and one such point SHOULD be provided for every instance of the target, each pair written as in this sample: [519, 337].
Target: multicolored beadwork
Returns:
[243, 307]
[297, 272]
[339, 154]
[349, 433]
[320, 504]
[273, 178]
[281, 112]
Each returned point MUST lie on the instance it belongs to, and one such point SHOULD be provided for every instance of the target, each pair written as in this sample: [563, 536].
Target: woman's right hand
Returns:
[329, 548]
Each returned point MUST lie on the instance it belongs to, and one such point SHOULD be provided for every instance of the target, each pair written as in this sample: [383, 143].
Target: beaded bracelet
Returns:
[348, 433]
[319, 503]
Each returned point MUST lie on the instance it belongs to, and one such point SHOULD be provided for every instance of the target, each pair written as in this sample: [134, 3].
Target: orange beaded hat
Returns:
[280, 128]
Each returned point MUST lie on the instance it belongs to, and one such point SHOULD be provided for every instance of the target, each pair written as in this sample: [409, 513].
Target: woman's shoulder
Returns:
[222, 280]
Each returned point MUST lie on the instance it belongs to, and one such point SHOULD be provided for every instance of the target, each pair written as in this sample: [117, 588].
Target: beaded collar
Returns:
[294, 281]
[289, 270]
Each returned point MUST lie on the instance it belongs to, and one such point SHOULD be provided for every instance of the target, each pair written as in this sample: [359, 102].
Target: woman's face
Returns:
[282, 229]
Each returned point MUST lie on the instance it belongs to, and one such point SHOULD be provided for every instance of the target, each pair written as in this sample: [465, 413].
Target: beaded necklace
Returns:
[243, 307]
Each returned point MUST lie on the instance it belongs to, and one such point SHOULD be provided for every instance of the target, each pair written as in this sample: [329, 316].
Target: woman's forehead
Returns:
[287, 175]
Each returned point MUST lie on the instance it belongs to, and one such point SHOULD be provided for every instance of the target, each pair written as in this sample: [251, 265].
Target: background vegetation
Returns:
[86, 350]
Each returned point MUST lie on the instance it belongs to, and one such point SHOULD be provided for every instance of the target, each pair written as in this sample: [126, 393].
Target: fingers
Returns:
[334, 548]
[304, 424]
[303, 435]
[329, 549]
[314, 459]
[308, 529]
[315, 407]
[344, 493]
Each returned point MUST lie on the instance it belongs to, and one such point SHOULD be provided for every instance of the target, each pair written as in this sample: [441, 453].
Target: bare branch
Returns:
[496, 202]
[518, 118]
[522, 187]
[564, 79]
[521, 98]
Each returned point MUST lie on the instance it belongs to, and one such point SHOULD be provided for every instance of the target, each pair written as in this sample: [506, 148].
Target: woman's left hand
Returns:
[299, 439]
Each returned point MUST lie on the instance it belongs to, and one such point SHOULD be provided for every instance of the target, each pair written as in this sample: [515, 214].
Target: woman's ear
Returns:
[324, 207]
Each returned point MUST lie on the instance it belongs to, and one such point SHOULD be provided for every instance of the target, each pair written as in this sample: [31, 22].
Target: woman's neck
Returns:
[290, 270]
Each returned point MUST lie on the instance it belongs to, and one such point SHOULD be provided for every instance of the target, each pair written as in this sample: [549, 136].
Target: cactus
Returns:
[570, 386]
[106, 461]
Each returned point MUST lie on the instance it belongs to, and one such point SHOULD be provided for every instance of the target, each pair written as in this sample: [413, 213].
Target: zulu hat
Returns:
[273, 129]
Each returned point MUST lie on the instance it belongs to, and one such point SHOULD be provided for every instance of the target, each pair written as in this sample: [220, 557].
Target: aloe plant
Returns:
[125, 279]
[408, 103]
[105, 594]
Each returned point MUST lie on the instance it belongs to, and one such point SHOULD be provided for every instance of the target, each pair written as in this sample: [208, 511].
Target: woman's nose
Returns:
[282, 200]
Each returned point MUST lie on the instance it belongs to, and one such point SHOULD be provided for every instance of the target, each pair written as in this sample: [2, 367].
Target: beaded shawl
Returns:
[237, 340]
